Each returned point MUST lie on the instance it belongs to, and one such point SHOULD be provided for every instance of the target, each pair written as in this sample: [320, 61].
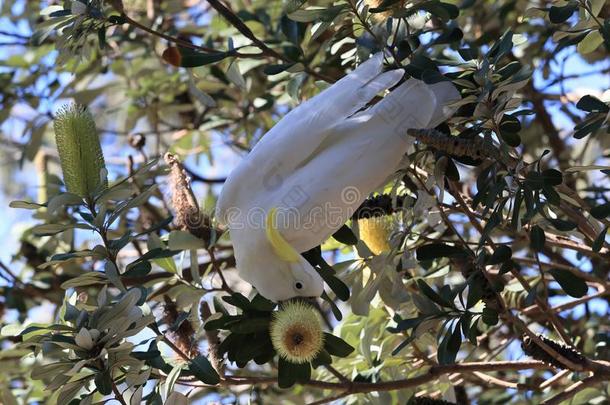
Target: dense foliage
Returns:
[479, 274]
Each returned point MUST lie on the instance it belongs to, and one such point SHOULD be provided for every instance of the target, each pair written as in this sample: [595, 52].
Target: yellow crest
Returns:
[279, 244]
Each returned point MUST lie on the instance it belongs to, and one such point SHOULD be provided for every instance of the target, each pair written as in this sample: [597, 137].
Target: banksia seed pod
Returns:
[188, 216]
[296, 332]
[375, 232]
[184, 335]
[378, 206]
[530, 348]
[80, 152]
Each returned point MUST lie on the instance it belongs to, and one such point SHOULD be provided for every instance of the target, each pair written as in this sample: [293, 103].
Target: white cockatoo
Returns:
[306, 176]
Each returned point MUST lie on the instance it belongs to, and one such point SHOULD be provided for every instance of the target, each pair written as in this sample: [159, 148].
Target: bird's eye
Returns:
[298, 285]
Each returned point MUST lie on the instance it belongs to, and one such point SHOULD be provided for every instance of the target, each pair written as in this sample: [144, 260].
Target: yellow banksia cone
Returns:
[375, 232]
[296, 332]
[80, 152]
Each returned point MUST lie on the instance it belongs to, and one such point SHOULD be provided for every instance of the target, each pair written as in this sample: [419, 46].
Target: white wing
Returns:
[361, 154]
[301, 132]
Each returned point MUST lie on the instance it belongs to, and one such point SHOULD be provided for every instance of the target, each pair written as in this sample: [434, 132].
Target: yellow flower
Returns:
[296, 332]
[375, 232]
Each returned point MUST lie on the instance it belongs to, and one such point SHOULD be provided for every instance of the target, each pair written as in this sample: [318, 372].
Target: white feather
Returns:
[317, 165]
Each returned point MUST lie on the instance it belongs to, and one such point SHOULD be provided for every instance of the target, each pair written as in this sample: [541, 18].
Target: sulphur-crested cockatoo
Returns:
[306, 176]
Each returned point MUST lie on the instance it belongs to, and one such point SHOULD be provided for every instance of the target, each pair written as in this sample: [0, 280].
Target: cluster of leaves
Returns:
[181, 76]
[90, 346]
[248, 339]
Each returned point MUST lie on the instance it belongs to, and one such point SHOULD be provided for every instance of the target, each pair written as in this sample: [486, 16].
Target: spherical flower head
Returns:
[296, 332]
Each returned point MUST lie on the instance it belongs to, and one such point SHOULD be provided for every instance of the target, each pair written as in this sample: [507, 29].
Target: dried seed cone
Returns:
[379, 206]
[530, 348]
[80, 152]
[296, 332]
[375, 232]
[188, 216]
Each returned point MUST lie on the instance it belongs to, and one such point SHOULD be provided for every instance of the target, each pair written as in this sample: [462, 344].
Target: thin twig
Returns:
[575, 389]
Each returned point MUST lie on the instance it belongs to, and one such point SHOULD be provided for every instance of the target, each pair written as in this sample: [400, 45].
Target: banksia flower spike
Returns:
[296, 332]
[375, 232]
[79, 150]
[376, 218]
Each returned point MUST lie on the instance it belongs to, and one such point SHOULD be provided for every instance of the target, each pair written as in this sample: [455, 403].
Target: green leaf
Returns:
[573, 285]
[323, 14]
[112, 273]
[404, 324]
[436, 250]
[25, 205]
[333, 306]
[469, 53]
[341, 290]
[345, 236]
[562, 224]
[323, 358]
[291, 373]
[537, 238]
[275, 69]
[551, 195]
[251, 325]
[601, 211]
[450, 345]
[336, 346]
[509, 128]
[262, 304]
[592, 104]
[237, 300]
[171, 379]
[293, 5]
[183, 240]
[444, 11]
[500, 255]
[599, 240]
[190, 58]
[501, 47]
[490, 316]
[591, 42]
[103, 382]
[53, 229]
[201, 368]
[69, 390]
[558, 15]
[551, 177]
[430, 293]
[589, 126]
[156, 253]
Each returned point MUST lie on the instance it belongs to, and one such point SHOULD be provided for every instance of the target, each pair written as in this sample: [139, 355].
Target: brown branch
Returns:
[544, 119]
[531, 310]
[117, 394]
[575, 389]
[434, 371]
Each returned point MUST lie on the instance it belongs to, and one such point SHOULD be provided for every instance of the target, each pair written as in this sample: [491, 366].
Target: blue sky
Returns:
[24, 182]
